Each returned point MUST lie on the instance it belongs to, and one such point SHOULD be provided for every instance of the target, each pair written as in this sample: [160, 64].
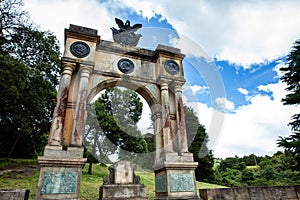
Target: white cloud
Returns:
[243, 91]
[224, 104]
[145, 122]
[57, 15]
[252, 128]
[196, 89]
[279, 65]
[242, 32]
[188, 47]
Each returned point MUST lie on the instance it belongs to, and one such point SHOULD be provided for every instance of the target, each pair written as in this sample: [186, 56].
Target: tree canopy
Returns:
[291, 76]
[113, 121]
[29, 60]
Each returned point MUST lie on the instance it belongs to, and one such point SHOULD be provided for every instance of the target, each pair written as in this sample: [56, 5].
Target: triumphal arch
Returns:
[90, 65]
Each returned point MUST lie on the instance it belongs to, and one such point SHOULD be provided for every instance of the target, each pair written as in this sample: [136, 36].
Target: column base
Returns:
[176, 180]
[60, 173]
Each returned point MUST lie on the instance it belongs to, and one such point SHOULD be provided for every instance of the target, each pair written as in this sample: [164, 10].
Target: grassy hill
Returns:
[21, 174]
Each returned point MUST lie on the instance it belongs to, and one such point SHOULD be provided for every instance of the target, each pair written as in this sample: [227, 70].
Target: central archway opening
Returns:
[119, 127]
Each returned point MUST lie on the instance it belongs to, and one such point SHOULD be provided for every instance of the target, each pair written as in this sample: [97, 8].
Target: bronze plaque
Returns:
[59, 183]
[182, 183]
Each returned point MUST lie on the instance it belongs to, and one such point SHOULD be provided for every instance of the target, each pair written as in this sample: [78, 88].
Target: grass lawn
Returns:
[89, 186]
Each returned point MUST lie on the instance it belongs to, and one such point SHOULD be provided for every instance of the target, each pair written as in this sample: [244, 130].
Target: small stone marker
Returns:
[122, 183]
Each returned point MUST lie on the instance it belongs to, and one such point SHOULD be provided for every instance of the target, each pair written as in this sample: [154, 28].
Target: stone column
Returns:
[80, 109]
[61, 104]
[180, 120]
[166, 121]
[156, 118]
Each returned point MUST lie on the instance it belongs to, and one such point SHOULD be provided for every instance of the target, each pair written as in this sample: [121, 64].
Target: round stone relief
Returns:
[125, 65]
[171, 67]
[80, 49]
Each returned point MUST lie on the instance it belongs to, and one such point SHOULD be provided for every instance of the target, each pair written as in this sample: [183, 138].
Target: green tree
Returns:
[25, 109]
[197, 138]
[118, 110]
[247, 176]
[232, 163]
[28, 76]
[13, 15]
[291, 76]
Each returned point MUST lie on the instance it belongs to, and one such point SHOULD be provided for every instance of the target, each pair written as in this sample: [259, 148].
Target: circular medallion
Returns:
[125, 65]
[80, 49]
[171, 67]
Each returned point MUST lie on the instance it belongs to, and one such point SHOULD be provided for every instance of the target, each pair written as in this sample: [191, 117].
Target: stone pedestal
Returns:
[122, 183]
[175, 177]
[60, 173]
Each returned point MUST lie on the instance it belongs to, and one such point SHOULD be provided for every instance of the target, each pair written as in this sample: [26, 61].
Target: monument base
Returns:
[122, 183]
[175, 178]
[119, 192]
[60, 173]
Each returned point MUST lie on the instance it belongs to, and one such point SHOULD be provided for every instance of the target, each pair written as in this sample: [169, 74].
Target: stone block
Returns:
[58, 152]
[125, 191]
[14, 194]
[123, 172]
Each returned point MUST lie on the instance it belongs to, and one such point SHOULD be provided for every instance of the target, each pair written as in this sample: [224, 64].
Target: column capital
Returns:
[86, 68]
[178, 83]
[164, 86]
[178, 88]
[68, 67]
[156, 116]
[162, 81]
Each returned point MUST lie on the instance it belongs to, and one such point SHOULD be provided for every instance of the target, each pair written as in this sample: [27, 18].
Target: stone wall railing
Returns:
[252, 193]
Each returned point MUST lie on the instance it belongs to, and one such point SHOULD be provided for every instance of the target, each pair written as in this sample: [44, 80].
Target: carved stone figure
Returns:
[126, 33]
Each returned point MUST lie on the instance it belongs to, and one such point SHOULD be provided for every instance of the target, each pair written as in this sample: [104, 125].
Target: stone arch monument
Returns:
[90, 65]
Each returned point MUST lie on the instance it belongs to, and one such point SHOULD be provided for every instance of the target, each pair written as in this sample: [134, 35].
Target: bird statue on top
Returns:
[126, 33]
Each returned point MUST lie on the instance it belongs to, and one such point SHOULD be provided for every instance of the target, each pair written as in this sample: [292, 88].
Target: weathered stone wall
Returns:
[14, 194]
[252, 193]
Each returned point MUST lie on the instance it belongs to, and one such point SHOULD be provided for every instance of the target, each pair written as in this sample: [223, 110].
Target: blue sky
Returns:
[233, 52]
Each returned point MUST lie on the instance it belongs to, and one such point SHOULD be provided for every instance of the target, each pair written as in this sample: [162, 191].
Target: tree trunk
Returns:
[13, 146]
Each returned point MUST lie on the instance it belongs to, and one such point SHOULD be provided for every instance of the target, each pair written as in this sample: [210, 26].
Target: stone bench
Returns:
[18, 194]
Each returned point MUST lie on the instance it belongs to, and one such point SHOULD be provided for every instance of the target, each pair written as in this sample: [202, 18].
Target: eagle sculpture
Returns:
[126, 33]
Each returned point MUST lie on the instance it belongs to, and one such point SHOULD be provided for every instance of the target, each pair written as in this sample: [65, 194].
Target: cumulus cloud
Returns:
[189, 47]
[57, 15]
[242, 32]
[224, 104]
[196, 89]
[243, 91]
[251, 128]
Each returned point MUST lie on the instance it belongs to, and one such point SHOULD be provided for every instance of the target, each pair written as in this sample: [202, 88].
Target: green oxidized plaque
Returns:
[161, 183]
[181, 183]
[59, 183]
